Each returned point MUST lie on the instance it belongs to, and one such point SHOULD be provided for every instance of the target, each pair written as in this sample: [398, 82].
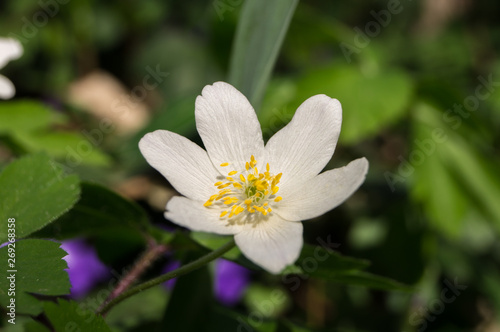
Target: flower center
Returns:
[246, 191]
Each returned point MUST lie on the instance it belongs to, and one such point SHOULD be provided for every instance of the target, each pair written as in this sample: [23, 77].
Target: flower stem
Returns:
[167, 276]
[152, 254]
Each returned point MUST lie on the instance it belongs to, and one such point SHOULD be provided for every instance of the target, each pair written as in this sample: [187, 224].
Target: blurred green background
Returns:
[419, 85]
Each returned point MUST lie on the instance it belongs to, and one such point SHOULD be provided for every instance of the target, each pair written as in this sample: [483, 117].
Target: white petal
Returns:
[193, 215]
[272, 244]
[303, 147]
[228, 126]
[322, 193]
[183, 163]
[7, 89]
[10, 49]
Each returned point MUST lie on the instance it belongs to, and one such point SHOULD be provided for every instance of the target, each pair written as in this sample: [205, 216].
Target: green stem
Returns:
[167, 276]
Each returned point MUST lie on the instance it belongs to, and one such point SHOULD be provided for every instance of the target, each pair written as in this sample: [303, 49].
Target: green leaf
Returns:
[322, 262]
[25, 116]
[68, 316]
[99, 210]
[259, 35]
[40, 270]
[433, 185]
[34, 326]
[132, 313]
[480, 179]
[370, 101]
[366, 279]
[270, 302]
[214, 241]
[451, 177]
[35, 193]
[190, 303]
[73, 148]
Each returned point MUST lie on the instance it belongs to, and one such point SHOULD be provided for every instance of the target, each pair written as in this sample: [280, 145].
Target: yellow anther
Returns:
[238, 210]
[258, 208]
[249, 192]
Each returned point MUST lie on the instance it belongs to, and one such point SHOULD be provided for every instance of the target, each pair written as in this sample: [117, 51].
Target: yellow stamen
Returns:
[248, 192]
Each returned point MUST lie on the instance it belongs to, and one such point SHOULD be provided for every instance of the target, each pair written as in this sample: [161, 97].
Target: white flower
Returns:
[239, 186]
[10, 49]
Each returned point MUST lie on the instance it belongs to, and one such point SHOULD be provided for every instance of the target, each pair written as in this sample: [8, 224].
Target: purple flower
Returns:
[85, 269]
[231, 280]
[170, 266]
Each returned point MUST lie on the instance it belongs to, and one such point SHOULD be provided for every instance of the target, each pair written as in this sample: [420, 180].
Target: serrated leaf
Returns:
[259, 35]
[99, 210]
[68, 316]
[35, 193]
[40, 270]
